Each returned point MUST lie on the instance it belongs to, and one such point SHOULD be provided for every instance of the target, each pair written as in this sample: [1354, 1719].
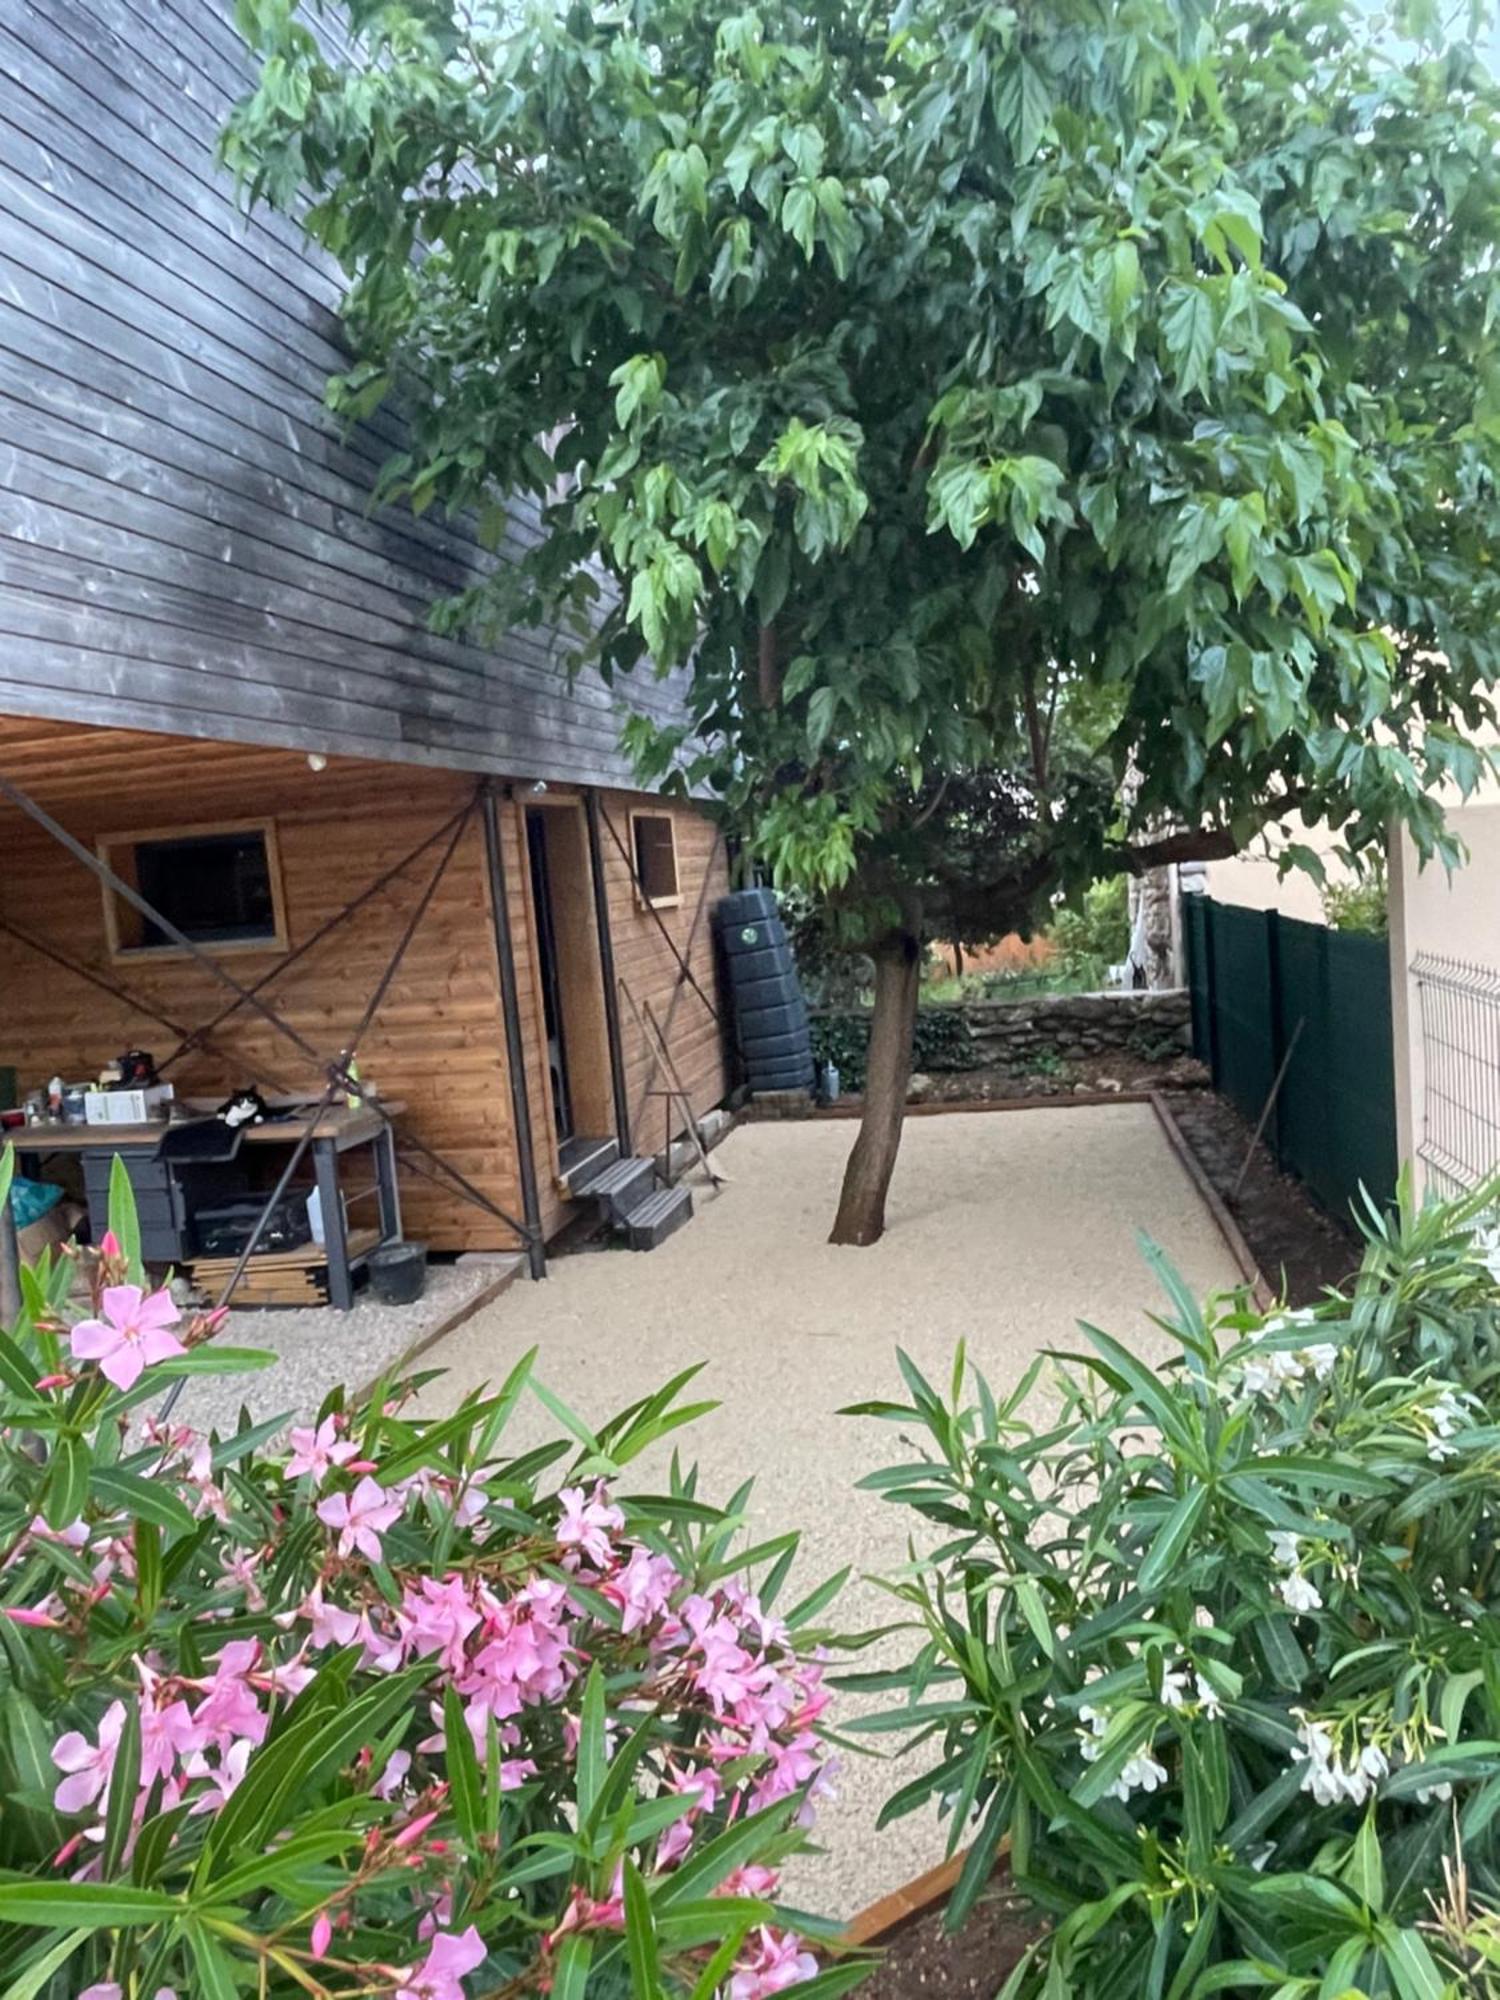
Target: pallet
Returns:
[279, 1277]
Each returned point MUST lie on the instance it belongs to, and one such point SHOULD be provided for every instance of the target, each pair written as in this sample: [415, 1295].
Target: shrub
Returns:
[1095, 933]
[387, 1713]
[1217, 1645]
[942, 1042]
[1361, 902]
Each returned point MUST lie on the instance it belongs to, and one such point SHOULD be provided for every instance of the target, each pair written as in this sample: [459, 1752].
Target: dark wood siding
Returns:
[185, 537]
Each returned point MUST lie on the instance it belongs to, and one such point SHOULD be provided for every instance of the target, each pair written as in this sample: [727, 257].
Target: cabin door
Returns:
[568, 970]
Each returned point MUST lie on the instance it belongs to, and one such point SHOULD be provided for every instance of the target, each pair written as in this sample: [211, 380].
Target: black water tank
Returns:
[770, 1014]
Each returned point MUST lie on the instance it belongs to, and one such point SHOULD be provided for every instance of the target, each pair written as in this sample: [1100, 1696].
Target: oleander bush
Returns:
[1214, 1642]
[387, 1708]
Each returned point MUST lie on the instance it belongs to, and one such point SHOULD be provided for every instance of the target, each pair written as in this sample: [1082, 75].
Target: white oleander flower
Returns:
[1141, 1773]
[1320, 1359]
[1267, 1374]
[1443, 1789]
[1174, 1685]
[1284, 1546]
[1208, 1698]
[1298, 1593]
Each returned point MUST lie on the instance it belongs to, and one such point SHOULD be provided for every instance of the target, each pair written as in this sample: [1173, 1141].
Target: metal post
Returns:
[607, 973]
[515, 1046]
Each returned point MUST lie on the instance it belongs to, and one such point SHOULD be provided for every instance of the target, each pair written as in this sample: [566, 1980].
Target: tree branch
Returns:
[1204, 843]
[768, 673]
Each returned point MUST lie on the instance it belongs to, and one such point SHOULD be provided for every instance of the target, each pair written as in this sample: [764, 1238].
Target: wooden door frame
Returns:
[596, 1067]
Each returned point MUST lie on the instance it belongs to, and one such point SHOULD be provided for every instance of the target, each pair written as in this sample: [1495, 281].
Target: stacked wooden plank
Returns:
[278, 1277]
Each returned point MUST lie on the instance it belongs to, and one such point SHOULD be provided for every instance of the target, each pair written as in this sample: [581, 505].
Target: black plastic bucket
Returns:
[398, 1273]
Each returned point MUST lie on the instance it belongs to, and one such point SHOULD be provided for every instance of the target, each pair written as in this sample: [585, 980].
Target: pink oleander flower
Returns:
[438, 1618]
[132, 1335]
[587, 1524]
[642, 1588]
[361, 1517]
[88, 1765]
[221, 1779]
[102, 1989]
[331, 1624]
[319, 1451]
[230, 1707]
[440, 1975]
[321, 1935]
[776, 1961]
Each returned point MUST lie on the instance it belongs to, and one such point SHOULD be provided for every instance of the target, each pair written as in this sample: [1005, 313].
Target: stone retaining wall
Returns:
[1007, 1034]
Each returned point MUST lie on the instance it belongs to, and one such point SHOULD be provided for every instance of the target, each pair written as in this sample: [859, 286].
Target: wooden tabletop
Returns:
[349, 1127]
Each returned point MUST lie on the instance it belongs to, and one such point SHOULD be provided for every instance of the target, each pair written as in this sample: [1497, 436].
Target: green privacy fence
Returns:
[1267, 989]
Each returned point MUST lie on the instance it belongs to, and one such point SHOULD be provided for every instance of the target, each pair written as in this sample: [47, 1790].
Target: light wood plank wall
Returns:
[437, 1042]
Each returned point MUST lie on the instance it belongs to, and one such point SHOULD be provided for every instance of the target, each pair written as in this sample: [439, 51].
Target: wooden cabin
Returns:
[217, 679]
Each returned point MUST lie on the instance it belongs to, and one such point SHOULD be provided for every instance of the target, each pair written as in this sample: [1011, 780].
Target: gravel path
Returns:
[1004, 1229]
[317, 1348]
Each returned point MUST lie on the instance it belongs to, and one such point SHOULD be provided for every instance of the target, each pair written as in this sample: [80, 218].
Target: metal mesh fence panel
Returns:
[1458, 1004]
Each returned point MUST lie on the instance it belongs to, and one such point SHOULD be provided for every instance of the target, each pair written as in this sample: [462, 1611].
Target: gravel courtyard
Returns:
[1004, 1229]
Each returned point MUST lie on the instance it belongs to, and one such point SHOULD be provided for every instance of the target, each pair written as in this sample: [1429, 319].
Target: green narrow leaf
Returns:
[980, 1862]
[142, 1499]
[572, 1975]
[24, 1899]
[1415, 1975]
[148, 1566]
[68, 1481]
[1365, 1871]
[124, 1783]
[1167, 1551]
[33, 1976]
[592, 1759]
[124, 1221]
[640, 1936]
[216, 1975]
[466, 1786]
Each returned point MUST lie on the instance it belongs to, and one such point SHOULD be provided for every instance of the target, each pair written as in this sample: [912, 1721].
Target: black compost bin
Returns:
[770, 1013]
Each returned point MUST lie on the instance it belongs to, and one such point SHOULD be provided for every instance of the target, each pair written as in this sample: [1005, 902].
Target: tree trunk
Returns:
[861, 1216]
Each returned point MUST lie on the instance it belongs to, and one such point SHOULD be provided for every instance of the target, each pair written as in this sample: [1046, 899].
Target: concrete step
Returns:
[582, 1161]
[658, 1215]
[622, 1187]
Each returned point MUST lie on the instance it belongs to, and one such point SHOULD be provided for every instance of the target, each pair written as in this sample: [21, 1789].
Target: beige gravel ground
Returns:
[1003, 1230]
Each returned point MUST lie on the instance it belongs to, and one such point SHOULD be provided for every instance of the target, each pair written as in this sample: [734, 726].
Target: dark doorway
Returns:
[550, 970]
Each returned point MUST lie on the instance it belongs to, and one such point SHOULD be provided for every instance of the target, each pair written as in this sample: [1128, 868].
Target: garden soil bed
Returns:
[922, 1962]
[1097, 1076]
[1295, 1242]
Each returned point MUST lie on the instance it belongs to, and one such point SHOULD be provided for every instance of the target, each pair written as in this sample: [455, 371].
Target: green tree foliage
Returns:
[928, 374]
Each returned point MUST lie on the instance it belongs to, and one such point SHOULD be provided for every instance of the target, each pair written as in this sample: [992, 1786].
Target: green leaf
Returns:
[799, 216]
[592, 1757]
[465, 1782]
[25, 1899]
[68, 1481]
[1415, 1975]
[572, 1975]
[640, 1936]
[35, 1974]
[215, 1969]
[1364, 1871]
[142, 1499]
[1171, 1543]
[124, 1784]
[123, 1219]
[1023, 107]
[1189, 328]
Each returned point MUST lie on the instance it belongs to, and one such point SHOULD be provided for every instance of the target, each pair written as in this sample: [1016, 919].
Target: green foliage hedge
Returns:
[942, 1041]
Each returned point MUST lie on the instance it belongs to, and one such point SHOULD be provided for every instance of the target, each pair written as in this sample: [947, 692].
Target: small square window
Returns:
[218, 886]
[655, 840]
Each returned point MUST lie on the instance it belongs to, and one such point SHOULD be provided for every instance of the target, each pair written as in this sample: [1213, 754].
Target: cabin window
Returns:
[220, 886]
[655, 841]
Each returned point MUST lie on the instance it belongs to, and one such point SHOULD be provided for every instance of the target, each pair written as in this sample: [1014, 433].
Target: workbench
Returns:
[167, 1190]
